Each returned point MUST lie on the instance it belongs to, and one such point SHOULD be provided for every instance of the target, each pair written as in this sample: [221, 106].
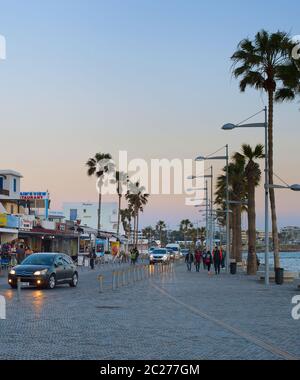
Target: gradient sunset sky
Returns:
[148, 76]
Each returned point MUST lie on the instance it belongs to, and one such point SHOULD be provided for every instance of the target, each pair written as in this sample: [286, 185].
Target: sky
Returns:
[152, 77]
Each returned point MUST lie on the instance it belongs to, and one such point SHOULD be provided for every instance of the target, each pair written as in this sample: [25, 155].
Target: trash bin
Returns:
[233, 267]
[279, 276]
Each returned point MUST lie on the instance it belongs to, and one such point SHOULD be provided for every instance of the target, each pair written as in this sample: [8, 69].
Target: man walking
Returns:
[189, 259]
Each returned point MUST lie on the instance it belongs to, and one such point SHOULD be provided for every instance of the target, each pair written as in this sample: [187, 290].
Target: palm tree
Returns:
[137, 200]
[126, 216]
[120, 180]
[266, 65]
[236, 170]
[185, 227]
[253, 177]
[100, 165]
[160, 228]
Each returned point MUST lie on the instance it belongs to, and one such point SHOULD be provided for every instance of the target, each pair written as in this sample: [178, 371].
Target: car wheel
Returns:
[51, 282]
[74, 281]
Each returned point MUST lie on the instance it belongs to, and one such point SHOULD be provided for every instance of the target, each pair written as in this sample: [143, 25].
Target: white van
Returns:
[175, 248]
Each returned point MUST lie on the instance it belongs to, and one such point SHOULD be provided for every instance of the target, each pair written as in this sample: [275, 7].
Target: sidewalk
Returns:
[179, 316]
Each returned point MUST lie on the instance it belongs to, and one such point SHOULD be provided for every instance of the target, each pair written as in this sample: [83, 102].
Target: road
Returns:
[184, 316]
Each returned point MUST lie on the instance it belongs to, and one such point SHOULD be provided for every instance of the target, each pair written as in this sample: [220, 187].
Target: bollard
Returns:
[19, 288]
[113, 280]
[124, 277]
[118, 279]
[100, 279]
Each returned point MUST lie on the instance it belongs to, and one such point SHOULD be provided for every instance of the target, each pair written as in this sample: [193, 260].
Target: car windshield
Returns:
[174, 249]
[159, 252]
[39, 260]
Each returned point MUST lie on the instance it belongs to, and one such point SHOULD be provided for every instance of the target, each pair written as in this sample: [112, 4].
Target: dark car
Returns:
[44, 270]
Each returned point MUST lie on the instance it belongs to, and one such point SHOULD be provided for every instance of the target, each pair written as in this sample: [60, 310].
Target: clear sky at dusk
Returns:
[148, 76]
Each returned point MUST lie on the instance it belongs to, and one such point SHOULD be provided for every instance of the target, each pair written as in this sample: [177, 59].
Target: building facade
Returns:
[87, 214]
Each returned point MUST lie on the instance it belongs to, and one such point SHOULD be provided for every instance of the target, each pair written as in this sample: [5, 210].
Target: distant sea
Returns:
[289, 260]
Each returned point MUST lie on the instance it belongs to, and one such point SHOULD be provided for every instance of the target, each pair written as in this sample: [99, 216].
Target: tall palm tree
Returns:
[160, 228]
[253, 177]
[185, 227]
[236, 170]
[100, 165]
[137, 200]
[266, 65]
[120, 180]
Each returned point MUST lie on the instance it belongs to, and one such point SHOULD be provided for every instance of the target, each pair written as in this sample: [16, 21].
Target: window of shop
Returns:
[15, 185]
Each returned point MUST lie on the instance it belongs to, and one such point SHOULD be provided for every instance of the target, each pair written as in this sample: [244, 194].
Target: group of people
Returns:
[215, 258]
[15, 252]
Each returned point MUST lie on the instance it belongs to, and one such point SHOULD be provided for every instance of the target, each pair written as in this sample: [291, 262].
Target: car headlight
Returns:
[165, 257]
[12, 272]
[151, 257]
[41, 272]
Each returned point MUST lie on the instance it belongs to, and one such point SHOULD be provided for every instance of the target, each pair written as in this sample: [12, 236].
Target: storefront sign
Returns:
[28, 196]
[26, 224]
[3, 220]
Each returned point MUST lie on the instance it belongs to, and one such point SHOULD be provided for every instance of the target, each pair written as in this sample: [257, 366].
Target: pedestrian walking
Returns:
[20, 254]
[92, 258]
[217, 260]
[134, 254]
[208, 261]
[204, 258]
[189, 259]
[198, 259]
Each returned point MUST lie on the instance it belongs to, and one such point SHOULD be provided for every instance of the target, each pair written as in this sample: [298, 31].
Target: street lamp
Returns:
[292, 187]
[230, 127]
[226, 158]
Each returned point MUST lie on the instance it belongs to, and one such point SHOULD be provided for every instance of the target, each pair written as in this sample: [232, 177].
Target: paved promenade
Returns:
[173, 316]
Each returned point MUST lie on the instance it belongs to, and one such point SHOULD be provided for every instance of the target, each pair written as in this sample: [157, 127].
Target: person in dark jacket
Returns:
[217, 260]
[208, 261]
[92, 258]
[189, 259]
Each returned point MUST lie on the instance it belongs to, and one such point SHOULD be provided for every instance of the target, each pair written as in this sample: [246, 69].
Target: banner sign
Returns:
[115, 248]
[100, 247]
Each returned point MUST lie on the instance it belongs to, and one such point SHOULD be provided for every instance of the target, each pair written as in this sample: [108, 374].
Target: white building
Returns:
[87, 213]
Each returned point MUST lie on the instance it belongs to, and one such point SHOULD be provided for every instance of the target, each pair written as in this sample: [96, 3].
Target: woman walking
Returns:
[208, 261]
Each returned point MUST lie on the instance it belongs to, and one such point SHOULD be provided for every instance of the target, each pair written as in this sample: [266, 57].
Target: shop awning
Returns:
[9, 231]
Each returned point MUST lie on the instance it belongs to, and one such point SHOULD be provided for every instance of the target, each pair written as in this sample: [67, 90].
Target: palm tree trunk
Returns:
[119, 214]
[134, 227]
[252, 262]
[234, 231]
[271, 182]
[239, 233]
[137, 227]
[99, 210]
